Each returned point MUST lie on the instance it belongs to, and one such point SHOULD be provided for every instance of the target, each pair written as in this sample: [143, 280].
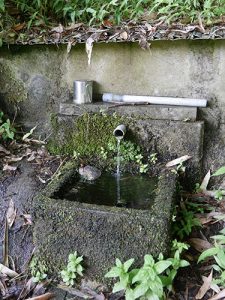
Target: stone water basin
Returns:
[100, 232]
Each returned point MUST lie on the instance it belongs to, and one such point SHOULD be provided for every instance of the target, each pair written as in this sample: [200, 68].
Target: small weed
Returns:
[185, 222]
[179, 169]
[149, 281]
[73, 268]
[38, 270]
[7, 131]
[143, 168]
[153, 158]
[129, 153]
[76, 154]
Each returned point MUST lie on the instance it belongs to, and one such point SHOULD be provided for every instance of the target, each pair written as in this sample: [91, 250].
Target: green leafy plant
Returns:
[149, 281]
[153, 158]
[2, 5]
[219, 194]
[91, 12]
[220, 171]
[184, 222]
[176, 263]
[7, 131]
[129, 152]
[218, 253]
[73, 268]
[38, 270]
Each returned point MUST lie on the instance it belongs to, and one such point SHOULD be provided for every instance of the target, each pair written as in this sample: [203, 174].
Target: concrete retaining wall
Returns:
[41, 77]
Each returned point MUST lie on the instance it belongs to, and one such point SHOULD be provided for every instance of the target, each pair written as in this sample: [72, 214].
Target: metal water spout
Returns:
[119, 131]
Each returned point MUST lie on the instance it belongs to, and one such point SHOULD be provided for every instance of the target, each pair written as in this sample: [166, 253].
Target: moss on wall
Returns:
[12, 87]
[89, 133]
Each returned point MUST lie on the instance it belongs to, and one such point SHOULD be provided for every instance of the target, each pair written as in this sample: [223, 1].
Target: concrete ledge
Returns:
[155, 112]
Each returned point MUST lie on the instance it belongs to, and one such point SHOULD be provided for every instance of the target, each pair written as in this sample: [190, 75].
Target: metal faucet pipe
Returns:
[119, 131]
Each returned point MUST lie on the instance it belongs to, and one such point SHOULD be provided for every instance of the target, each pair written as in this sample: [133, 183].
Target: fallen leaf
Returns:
[74, 26]
[58, 29]
[88, 47]
[46, 296]
[178, 161]
[13, 159]
[3, 289]
[199, 244]
[32, 156]
[3, 150]
[205, 287]
[19, 26]
[215, 287]
[41, 180]
[27, 288]
[9, 168]
[205, 181]
[29, 133]
[30, 141]
[148, 26]
[5, 250]
[5, 270]
[40, 288]
[27, 219]
[107, 23]
[11, 213]
[218, 296]
[124, 35]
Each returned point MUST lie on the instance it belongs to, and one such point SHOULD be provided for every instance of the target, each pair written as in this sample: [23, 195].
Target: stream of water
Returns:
[118, 173]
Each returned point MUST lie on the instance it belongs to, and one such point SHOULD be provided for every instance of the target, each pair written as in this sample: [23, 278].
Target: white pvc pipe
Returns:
[108, 97]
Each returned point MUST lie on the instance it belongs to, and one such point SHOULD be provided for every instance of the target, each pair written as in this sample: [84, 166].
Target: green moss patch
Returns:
[13, 89]
[87, 135]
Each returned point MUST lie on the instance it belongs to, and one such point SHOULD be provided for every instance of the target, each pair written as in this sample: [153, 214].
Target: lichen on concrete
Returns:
[11, 87]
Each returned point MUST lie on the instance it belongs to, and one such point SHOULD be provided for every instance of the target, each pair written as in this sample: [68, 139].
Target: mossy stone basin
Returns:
[98, 232]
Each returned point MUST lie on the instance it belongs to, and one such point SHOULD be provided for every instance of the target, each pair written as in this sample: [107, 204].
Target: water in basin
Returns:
[133, 191]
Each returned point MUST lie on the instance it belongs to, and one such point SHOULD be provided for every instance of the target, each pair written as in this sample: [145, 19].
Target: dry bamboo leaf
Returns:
[5, 270]
[215, 287]
[74, 26]
[178, 161]
[9, 168]
[205, 181]
[89, 46]
[6, 245]
[3, 289]
[29, 133]
[46, 296]
[28, 287]
[205, 287]
[11, 213]
[199, 244]
[218, 296]
[14, 159]
[38, 142]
